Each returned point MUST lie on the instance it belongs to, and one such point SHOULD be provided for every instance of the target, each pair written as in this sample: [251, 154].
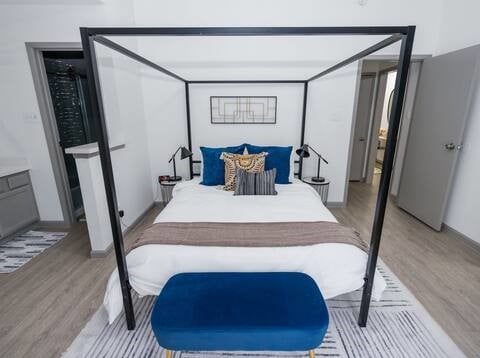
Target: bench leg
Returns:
[168, 353]
[311, 354]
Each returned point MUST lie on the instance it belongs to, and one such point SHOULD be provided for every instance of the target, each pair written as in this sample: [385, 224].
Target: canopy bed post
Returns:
[189, 128]
[108, 180]
[383, 191]
[302, 135]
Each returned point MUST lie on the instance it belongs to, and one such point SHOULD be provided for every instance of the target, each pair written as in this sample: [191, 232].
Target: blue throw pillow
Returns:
[278, 158]
[213, 167]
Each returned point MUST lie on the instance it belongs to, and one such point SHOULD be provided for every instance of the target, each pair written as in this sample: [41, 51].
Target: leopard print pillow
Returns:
[252, 163]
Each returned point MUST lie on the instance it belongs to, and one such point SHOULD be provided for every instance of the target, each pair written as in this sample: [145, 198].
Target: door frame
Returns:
[374, 126]
[415, 58]
[40, 81]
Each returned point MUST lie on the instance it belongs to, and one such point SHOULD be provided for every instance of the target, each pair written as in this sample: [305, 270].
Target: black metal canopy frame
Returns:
[89, 35]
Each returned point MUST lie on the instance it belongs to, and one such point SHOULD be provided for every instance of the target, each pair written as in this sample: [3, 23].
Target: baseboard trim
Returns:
[138, 219]
[449, 230]
[53, 225]
[335, 204]
[103, 253]
[99, 254]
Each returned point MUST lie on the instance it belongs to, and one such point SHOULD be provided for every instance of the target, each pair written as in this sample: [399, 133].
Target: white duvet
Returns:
[336, 268]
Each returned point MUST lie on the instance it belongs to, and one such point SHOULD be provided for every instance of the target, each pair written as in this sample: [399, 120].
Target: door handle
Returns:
[361, 139]
[450, 146]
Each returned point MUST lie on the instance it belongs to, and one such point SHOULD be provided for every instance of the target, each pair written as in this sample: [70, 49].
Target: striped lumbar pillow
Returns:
[262, 183]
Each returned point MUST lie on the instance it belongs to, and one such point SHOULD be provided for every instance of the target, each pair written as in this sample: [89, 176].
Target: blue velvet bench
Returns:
[272, 311]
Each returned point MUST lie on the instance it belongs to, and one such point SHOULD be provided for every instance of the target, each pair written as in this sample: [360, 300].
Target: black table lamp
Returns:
[185, 153]
[304, 153]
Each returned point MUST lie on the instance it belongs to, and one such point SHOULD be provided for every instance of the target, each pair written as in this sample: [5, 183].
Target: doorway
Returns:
[372, 120]
[59, 75]
[67, 82]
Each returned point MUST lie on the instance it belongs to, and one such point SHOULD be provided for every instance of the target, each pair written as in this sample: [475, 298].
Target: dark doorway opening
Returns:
[67, 83]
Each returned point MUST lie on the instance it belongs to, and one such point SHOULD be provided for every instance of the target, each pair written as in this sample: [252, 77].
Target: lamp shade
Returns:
[303, 152]
[185, 153]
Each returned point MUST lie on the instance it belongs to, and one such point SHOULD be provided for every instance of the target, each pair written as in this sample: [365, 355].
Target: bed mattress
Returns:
[336, 268]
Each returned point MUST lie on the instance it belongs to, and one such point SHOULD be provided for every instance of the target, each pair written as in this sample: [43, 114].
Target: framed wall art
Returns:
[243, 109]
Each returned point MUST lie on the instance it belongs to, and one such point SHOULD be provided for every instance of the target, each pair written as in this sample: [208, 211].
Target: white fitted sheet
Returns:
[336, 268]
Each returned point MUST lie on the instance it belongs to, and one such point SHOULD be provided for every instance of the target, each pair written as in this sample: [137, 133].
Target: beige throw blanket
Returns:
[277, 234]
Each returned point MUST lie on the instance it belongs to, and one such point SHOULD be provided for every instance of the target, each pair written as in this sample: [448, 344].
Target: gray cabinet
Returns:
[18, 208]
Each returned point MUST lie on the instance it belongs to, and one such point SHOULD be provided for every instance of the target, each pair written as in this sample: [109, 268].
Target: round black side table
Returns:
[320, 187]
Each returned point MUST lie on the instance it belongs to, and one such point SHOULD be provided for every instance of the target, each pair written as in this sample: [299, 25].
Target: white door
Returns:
[441, 108]
[362, 122]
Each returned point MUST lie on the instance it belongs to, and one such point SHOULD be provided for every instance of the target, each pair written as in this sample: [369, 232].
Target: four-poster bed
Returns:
[397, 33]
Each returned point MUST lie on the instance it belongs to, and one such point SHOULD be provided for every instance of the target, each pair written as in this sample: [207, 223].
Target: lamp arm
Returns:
[313, 150]
[318, 154]
[174, 154]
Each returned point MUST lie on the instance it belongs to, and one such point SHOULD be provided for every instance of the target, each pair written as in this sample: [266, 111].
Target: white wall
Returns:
[329, 126]
[426, 14]
[459, 26]
[166, 124]
[328, 122]
[285, 132]
[464, 206]
[126, 123]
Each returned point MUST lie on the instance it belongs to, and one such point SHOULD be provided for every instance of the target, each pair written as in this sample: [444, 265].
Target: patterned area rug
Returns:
[17, 251]
[398, 326]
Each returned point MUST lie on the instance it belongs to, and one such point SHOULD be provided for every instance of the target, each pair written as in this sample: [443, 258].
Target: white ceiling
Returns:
[286, 57]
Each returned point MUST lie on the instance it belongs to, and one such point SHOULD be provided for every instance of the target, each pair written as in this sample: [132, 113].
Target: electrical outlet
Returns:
[121, 213]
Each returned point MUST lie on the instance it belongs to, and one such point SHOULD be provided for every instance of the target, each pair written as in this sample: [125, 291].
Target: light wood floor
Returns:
[441, 270]
[45, 304]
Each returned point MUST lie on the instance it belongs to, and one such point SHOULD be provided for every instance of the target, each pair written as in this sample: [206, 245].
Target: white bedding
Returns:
[336, 268]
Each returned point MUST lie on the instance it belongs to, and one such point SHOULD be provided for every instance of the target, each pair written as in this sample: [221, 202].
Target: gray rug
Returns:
[398, 326]
[17, 251]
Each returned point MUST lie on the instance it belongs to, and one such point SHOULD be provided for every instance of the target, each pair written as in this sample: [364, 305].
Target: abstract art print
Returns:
[243, 109]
